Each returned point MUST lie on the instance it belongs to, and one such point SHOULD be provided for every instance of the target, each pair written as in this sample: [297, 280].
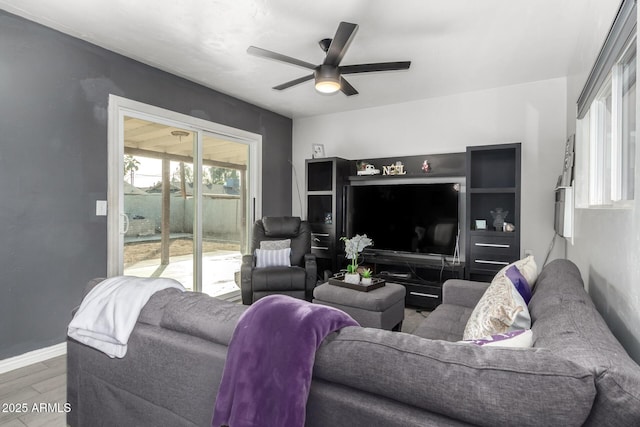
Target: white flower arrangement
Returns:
[353, 247]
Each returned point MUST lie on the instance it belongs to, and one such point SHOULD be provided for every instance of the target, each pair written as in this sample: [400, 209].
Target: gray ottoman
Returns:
[381, 308]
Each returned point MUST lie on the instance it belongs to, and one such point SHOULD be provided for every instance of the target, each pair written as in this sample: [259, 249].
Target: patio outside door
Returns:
[185, 205]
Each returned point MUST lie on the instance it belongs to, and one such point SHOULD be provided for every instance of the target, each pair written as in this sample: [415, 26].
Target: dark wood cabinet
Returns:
[493, 182]
[325, 180]
[422, 277]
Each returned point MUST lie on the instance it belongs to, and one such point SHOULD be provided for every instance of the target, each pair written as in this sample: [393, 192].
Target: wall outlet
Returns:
[528, 252]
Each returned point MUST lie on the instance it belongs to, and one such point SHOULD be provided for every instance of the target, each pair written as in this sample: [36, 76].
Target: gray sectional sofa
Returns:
[576, 373]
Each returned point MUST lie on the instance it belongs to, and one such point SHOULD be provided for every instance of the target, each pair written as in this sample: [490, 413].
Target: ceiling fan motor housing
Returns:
[327, 72]
[327, 78]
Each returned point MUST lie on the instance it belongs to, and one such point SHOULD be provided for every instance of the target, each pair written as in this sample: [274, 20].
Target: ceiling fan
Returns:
[328, 75]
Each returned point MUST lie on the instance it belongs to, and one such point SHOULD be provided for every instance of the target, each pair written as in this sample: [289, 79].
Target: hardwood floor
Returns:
[34, 395]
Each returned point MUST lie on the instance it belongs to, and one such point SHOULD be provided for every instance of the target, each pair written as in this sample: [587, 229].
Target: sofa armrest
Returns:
[246, 270]
[465, 293]
[88, 287]
[311, 268]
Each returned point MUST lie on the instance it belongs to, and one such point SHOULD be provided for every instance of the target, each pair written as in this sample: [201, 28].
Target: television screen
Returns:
[412, 218]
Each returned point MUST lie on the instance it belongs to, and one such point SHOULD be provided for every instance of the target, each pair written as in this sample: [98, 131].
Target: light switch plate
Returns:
[101, 208]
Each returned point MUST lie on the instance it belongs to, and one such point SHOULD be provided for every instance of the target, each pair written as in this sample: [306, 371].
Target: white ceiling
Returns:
[147, 139]
[455, 45]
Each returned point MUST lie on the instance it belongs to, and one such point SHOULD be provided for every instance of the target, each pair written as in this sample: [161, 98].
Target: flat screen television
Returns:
[406, 218]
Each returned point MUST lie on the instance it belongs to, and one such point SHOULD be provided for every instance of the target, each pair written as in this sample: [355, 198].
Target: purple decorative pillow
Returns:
[501, 309]
[520, 282]
[527, 267]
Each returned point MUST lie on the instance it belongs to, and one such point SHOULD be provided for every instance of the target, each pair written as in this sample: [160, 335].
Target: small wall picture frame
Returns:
[481, 224]
[317, 151]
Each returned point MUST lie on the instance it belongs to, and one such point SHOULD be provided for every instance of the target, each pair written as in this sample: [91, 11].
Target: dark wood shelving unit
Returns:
[325, 180]
[493, 181]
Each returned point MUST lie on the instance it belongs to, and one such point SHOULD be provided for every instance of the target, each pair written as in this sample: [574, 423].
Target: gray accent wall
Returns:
[53, 167]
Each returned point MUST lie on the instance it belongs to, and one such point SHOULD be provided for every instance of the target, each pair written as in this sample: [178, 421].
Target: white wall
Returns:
[533, 113]
[606, 246]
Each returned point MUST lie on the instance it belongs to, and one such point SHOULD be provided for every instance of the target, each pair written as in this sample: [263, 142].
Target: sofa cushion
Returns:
[446, 322]
[278, 279]
[484, 386]
[461, 292]
[566, 322]
[203, 316]
[501, 309]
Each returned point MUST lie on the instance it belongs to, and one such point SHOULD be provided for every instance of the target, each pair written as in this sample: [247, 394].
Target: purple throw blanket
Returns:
[267, 374]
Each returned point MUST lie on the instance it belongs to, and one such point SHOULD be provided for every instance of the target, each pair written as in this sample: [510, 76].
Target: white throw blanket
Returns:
[109, 312]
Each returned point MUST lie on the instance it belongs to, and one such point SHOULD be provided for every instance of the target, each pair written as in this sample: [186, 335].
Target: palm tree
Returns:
[131, 165]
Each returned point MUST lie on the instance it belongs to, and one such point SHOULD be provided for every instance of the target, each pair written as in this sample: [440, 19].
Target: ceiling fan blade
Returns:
[264, 53]
[369, 68]
[340, 43]
[346, 87]
[293, 82]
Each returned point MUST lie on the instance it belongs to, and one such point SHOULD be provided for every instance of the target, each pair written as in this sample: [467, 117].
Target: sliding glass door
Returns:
[224, 212]
[184, 193]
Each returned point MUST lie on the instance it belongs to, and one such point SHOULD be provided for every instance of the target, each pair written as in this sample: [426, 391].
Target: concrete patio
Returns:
[219, 269]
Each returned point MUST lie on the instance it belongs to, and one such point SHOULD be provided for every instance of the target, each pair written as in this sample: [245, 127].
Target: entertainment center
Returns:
[425, 216]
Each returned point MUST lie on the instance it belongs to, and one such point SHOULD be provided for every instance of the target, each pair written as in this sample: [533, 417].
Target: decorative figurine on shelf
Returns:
[426, 167]
[509, 227]
[367, 169]
[395, 169]
[498, 218]
[352, 249]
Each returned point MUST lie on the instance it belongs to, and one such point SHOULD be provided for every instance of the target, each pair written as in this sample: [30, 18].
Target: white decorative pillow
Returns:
[522, 338]
[273, 257]
[527, 267]
[501, 309]
[275, 244]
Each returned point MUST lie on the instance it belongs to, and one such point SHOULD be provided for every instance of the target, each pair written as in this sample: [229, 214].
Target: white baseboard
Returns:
[32, 357]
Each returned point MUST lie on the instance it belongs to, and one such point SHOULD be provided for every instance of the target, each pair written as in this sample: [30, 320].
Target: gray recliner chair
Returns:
[298, 280]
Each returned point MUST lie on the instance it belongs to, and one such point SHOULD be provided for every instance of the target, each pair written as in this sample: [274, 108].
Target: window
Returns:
[600, 117]
[612, 134]
[624, 153]
[607, 115]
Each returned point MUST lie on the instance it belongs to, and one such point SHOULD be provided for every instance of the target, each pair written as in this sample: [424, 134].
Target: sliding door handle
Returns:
[125, 223]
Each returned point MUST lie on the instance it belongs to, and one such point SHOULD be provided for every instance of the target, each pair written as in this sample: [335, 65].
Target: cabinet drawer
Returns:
[489, 253]
[321, 244]
[488, 262]
[323, 253]
[494, 243]
[320, 240]
[423, 295]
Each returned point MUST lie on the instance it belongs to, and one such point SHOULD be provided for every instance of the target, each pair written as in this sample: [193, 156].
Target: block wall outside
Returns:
[221, 215]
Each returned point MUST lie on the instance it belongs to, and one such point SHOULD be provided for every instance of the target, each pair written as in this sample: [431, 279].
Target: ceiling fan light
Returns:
[327, 79]
[327, 86]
